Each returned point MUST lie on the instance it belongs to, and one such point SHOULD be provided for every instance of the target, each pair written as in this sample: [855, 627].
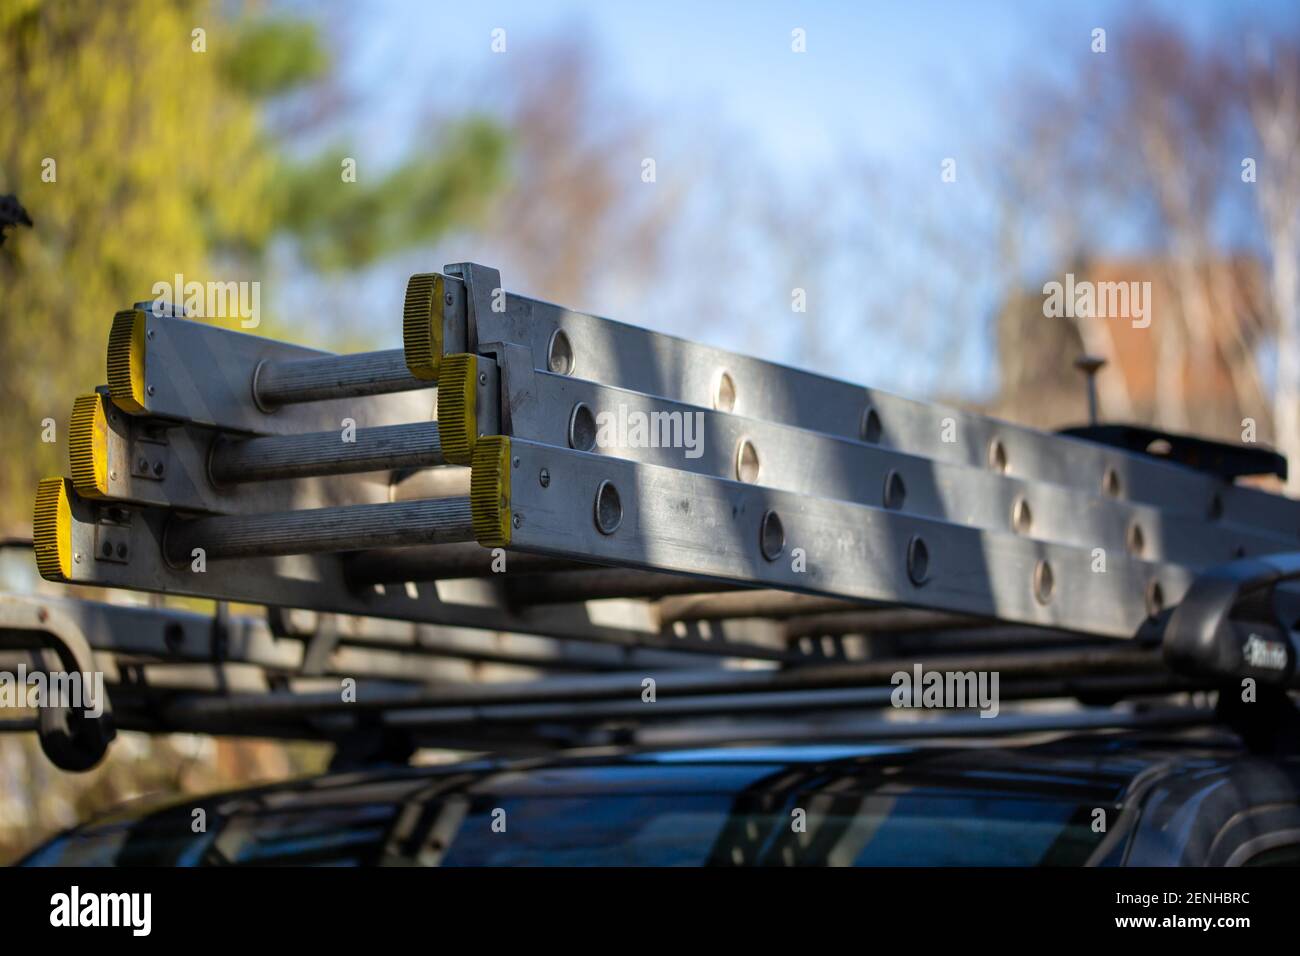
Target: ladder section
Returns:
[520, 467]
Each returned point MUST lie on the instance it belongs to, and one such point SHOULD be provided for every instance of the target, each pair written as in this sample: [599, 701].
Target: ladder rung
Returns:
[332, 377]
[279, 457]
[351, 528]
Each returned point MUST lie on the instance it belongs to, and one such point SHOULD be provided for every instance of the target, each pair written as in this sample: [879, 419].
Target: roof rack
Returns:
[593, 496]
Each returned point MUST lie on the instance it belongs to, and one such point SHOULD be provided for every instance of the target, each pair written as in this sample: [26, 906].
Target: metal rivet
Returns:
[724, 393]
[1136, 540]
[582, 428]
[482, 378]
[1022, 518]
[544, 478]
[158, 468]
[1155, 598]
[150, 390]
[1110, 483]
[1044, 581]
[997, 455]
[870, 429]
[609, 508]
[559, 354]
[771, 536]
[448, 298]
[747, 465]
[518, 520]
[895, 490]
[918, 561]
[515, 463]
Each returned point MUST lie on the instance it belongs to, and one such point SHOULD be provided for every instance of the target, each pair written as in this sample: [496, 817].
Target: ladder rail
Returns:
[465, 491]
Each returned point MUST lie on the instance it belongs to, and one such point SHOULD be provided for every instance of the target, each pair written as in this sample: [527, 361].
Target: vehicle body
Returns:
[1189, 797]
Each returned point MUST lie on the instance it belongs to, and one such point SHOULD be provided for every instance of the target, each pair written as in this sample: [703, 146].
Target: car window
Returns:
[920, 828]
[923, 830]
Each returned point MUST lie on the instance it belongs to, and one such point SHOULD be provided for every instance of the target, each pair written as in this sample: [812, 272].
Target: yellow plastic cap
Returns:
[489, 491]
[52, 529]
[422, 325]
[126, 361]
[458, 408]
[88, 446]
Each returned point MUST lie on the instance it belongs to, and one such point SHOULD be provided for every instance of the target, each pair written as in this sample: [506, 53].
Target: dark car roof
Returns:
[1024, 801]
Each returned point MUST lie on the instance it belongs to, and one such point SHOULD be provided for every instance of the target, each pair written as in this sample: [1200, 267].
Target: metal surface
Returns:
[286, 382]
[612, 353]
[685, 523]
[71, 736]
[151, 461]
[205, 374]
[594, 584]
[361, 647]
[323, 529]
[747, 603]
[320, 582]
[588, 496]
[240, 460]
[629, 688]
[810, 461]
[446, 561]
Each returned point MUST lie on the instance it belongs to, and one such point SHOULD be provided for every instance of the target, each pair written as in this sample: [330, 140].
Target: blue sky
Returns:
[901, 84]
[894, 78]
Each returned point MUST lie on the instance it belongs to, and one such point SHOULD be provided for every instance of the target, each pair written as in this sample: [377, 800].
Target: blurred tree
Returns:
[132, 157]
[134, 135]
[273, 56]
[1178, 103]
[1153, 132]
[142, 149]
[1272, 85]
[577, 220]
[411, 205]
